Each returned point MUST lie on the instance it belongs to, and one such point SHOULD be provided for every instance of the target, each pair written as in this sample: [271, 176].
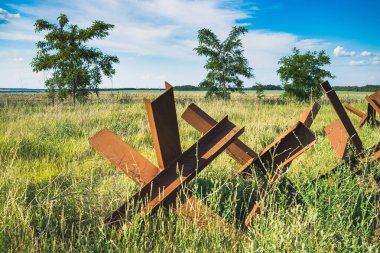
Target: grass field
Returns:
[55, 190]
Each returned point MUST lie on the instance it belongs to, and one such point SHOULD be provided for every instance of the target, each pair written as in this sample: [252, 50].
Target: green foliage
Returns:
[55, 190]
[76, 68]
[301, 74]
[225, 62]
[259, 91]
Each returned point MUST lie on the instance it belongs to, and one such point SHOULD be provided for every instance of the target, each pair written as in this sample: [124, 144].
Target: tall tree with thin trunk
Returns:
[77, 68]
[225, 62]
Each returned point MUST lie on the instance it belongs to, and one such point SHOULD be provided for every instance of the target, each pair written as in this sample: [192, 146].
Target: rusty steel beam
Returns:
[355, 111]
[339, 139]
[202, 122]
[341, 132]
[278, 155]
[282, 148]
[373, 107]
[275, 175]
[353, 136]
[124, 157]
[139, 169]
[167, 184]
[163, 123]
[309, 115]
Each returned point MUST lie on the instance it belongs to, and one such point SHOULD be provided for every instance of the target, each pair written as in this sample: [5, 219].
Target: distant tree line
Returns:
[267, 87]
[366, 88]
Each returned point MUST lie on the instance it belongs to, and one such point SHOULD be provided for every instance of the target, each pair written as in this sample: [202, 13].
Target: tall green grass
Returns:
[55, 190]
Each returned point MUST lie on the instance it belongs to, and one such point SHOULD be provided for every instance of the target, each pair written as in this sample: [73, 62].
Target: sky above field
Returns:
[154, 39]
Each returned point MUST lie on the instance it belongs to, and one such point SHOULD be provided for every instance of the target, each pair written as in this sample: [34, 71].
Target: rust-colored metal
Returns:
[202, 122]
[309, 115]
[163, 123]
[289, 143]
[141, 171]
[342, 133]
[260, 196]
[166, 185]
[273, 159]
[355, 111]
[339, 138]
[124, 157]
[373, 107]
[346, 125]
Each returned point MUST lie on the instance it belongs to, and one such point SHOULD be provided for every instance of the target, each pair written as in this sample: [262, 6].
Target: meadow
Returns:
[55, 190]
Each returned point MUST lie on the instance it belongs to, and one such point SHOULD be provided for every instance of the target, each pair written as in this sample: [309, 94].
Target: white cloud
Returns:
[5, 16]
[376, 60]
[18, 59]
[340, 51]
[366, 53]
[357, 63]
[312, 44]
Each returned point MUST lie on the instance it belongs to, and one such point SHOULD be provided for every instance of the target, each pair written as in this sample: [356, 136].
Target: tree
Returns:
[225, 62]
[76, 68]
[301, 74]
[259, 91]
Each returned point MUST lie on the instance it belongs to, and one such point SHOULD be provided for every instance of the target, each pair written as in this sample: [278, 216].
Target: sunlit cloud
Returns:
[340, 51]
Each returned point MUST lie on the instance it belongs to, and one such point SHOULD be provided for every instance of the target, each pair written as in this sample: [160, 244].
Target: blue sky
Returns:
[154, 38]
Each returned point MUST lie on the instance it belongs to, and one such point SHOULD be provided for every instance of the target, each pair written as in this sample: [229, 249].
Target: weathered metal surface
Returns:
[285, 146]
[163, 123]
[339, 138]
[273, 159]
[373, 107]
[355, 111]
[309, 115]
[141, 171]
[202, 122]
[345, 120]
[166, 185]
[277, 172]
[124, 157]
[341, 133]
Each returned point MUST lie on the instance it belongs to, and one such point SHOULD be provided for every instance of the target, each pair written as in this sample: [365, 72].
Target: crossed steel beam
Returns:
[274, 159]
[162, 185]
[373, 106]
[342, 134]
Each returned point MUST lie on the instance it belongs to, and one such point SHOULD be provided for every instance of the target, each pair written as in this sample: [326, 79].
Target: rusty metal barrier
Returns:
[274, 159]
[342, 134]
[373, 106]
[346, 141]
[163, 184]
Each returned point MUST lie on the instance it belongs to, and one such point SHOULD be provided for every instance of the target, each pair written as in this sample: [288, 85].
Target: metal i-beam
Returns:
[373, 107]
[278, 156]
[282, 148]
[166, 185]
[353, 136]
[309, 114]
[163, 123]
[139, 169]
[277, 173]
[341, 132]
[202, 122]
[124, 157]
